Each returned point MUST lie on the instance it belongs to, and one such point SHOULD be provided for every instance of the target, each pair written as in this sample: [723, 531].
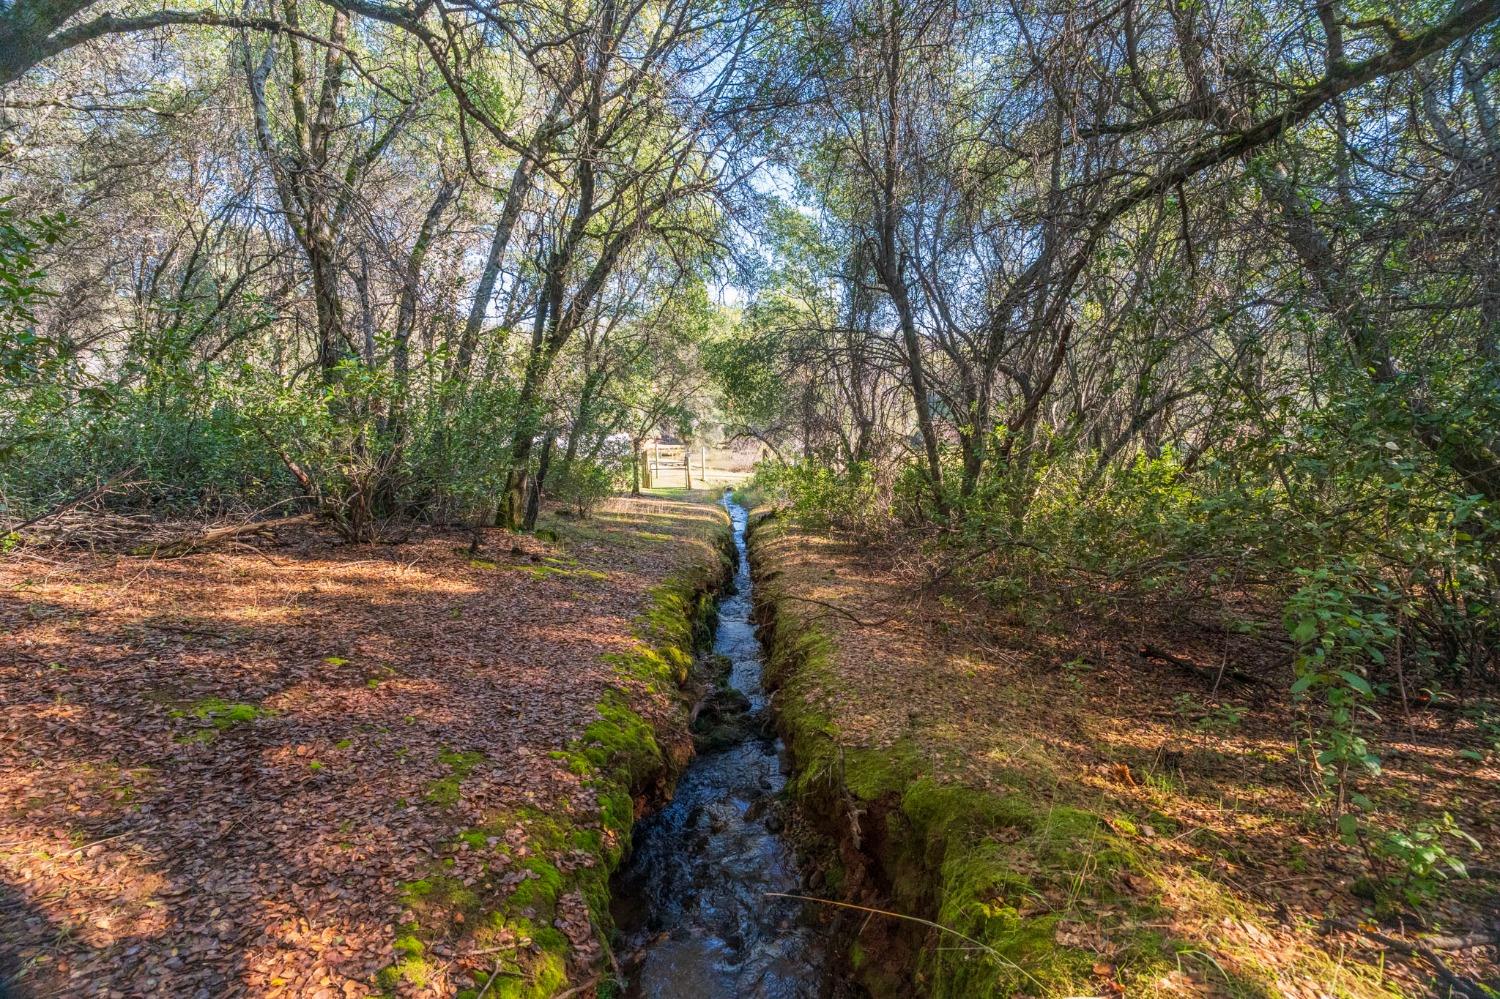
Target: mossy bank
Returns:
[1002, 870]
[539, 909]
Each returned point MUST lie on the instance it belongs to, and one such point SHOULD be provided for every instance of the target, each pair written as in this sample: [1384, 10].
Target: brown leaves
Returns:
[1202, 811]
[150, 847]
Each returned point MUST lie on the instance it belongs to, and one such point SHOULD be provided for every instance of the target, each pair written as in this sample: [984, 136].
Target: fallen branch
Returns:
[978, 944]
[197, 542]
[180, 630]
[578, 989]
[97, 842]
[1205, 672]
[837, 609]
[1457, 984]
[1462, 941]
[494, 977]
[77, 499]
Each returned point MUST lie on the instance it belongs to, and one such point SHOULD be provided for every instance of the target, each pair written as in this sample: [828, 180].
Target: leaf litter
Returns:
[216, 772]
[1065, 711]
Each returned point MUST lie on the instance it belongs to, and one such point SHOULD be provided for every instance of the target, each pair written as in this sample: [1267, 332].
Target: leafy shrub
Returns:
[454, 461]
[585, 483]
[821, 496]
[1413, 863]
[1338, 632]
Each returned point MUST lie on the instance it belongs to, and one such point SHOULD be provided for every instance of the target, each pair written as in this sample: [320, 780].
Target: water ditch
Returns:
[694, 903]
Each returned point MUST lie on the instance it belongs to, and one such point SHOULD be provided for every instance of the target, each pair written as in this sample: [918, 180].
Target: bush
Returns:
[454, 461]
[821, 496]
[585, 483]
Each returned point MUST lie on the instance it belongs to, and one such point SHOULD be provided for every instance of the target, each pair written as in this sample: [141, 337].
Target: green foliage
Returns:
[24, 354]
[820, 495]
[1411, 862]
[585, 483]
[1486, 719]
[454, 460]
[216, 437]
[1377, 560]
[1338, 635]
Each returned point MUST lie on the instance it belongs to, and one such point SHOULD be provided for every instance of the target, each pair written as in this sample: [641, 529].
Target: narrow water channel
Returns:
[692, 902]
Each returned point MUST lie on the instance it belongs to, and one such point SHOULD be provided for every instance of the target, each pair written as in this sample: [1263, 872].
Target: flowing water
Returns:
[692, 901]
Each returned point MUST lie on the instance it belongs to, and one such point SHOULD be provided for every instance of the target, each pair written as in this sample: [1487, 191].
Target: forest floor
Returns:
[221, 774]
[1206, 872]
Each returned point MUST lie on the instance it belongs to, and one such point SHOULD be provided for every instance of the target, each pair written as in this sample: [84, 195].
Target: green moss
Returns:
[475, 839]
[221, 716]
[438, 891]
[445, 791]
[410, 965]
[539, 892]
[560, 570]
[220, 713]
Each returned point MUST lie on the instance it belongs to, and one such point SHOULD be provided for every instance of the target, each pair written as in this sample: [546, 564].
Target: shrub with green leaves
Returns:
[584, 483]
[820, 495]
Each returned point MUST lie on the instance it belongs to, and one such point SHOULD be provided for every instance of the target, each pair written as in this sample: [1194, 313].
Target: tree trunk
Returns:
[538, 482]
[1475, 461]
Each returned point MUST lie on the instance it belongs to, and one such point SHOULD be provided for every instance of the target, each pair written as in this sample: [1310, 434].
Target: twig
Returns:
[575, 990]
[87, 846]
[1463, 941]
[834, 607]
[192, 543]
[1152, 652]
[185, 631]
[1457, 984]
[913, 919]
[494, 977]
[76, 499]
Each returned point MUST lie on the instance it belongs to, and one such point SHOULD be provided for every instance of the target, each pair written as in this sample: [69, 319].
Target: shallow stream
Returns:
[692, 902]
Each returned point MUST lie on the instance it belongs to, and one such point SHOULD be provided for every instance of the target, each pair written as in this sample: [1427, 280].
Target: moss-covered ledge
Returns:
[983, 863]
[540, 911]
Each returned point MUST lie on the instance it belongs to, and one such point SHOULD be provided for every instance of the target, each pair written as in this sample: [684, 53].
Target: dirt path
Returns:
[222, 775]
[1101, 822]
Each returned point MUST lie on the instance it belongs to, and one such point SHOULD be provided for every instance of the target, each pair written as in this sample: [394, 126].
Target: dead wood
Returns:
[77, 499]
[1457, 984]
[580, 989]
[191, 543]
[1204, 672]
[1460, 941]
[839, 610]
